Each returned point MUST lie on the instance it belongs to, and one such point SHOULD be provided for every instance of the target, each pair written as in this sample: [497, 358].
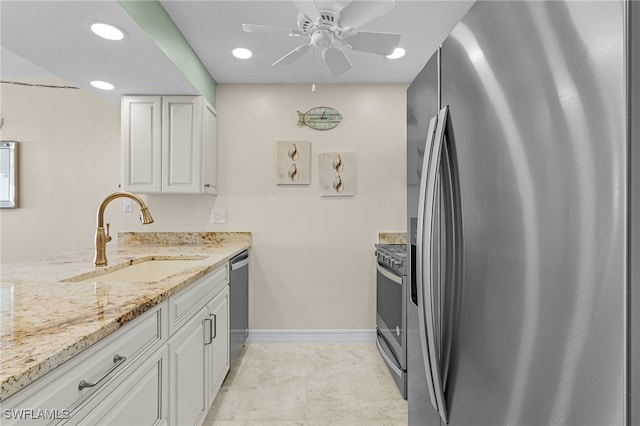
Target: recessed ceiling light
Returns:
[103, 85]
[107, 31]
[398, 52]
[242, 53]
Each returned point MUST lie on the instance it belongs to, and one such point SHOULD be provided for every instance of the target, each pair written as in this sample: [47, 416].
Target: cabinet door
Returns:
[141, 143]
[210, 150]
[188, 395]
[181, 144]
[142, 399]
[218, 350]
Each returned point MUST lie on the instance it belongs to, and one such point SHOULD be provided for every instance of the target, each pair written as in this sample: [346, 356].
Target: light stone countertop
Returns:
[392, 238]
[45, 321]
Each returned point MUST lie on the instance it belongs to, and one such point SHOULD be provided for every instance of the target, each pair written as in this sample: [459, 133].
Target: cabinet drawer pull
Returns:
[117, 359]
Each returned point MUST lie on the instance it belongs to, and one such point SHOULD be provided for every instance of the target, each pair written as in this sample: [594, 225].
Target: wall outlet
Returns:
[127, 205]
[218, 216]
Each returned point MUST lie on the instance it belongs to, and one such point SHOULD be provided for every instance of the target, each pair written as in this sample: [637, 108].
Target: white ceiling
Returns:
[53, 37]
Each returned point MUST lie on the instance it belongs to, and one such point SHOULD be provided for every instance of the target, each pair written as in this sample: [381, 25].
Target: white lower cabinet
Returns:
[188, 405]
[163, 368]
[218, 349]
[72, 390]
[199, 351]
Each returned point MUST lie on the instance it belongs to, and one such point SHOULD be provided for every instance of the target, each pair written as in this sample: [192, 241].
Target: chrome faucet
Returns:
[103, 238]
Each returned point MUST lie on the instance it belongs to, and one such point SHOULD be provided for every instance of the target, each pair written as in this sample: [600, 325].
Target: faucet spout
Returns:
[103, 238]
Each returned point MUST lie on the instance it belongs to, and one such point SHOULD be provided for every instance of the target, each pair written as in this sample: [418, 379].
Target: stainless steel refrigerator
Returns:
[522, 197]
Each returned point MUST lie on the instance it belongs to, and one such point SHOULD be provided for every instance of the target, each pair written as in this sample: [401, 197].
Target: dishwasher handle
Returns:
[240, 261]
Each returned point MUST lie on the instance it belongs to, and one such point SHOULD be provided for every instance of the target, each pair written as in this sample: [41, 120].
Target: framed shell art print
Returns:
[293, 162]
[337, 174]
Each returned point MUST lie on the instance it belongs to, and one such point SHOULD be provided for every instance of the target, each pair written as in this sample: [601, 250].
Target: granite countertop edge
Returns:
[37, 335]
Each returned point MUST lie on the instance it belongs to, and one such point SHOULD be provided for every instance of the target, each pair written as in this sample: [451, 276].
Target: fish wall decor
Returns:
[319, 118]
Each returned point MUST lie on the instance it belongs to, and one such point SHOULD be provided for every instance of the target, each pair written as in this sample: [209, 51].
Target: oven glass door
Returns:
[390, 310]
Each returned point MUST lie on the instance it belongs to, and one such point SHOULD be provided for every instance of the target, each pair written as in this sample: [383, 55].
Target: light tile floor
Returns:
[287, 384]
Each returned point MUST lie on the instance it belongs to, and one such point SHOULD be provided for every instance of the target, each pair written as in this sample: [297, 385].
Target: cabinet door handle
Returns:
[208, 342]
[117, 359]
[215, 326]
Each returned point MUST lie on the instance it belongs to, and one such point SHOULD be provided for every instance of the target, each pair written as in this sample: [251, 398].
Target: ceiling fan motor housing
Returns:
[322, 38]
[323, 31]
[327, 19]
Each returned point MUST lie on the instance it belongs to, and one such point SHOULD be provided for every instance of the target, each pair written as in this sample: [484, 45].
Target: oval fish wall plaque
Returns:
[319, 118]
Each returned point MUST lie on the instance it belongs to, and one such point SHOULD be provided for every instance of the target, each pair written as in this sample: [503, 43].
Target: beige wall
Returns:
[69, 160]
[312, 265]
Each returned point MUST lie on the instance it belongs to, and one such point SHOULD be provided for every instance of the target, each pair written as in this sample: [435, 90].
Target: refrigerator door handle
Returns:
[421, 284]
[431, 297]
[454, 245]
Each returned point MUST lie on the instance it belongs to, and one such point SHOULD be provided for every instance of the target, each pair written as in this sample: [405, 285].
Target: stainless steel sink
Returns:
[147, 271]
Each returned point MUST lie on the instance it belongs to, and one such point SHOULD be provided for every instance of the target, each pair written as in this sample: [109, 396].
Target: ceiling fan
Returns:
[333, 29]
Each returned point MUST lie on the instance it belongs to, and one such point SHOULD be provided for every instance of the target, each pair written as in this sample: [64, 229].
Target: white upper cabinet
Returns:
[169, 145]
[210, 150]
[141, 140]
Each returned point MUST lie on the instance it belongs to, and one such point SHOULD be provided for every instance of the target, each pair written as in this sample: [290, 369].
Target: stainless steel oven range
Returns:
[391, 310]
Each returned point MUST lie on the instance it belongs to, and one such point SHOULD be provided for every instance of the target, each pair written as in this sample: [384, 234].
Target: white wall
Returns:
[313, 264]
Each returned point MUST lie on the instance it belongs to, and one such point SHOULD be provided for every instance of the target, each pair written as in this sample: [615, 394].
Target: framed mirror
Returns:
[8, 174]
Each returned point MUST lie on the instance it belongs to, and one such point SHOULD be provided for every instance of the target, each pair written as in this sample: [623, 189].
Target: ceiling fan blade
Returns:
[308, 8]
[378, 43]
[359, 12]
[294, 55]
[252, 28]
[336, 60]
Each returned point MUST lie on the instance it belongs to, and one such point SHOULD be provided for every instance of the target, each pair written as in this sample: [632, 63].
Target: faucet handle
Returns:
[108, 237]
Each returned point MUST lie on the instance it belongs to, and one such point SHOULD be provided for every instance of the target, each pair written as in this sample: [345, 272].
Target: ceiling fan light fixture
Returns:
[102, 85]
[107, 31]
[241, 53]
[398, 52]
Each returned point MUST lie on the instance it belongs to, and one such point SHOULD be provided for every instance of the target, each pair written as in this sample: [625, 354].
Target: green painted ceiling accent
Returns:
[157, 23]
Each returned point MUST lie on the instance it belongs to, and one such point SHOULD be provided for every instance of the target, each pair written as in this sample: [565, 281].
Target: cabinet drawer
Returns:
[59, 391]
[141, 399]
[183, 305]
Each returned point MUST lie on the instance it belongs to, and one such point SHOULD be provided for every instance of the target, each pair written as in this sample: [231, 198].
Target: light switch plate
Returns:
[218, 216]
[127, 205]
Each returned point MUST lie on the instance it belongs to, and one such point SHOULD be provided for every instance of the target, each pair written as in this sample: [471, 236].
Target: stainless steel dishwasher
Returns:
[239, 303]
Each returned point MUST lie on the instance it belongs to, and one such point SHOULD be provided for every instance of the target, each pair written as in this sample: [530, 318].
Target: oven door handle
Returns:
[392, 365]
[388, 274]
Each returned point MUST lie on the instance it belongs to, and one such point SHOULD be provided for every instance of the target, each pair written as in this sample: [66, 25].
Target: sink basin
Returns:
[147, 271]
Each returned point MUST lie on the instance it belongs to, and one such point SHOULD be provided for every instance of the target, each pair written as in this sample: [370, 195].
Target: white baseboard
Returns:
[312, 336]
